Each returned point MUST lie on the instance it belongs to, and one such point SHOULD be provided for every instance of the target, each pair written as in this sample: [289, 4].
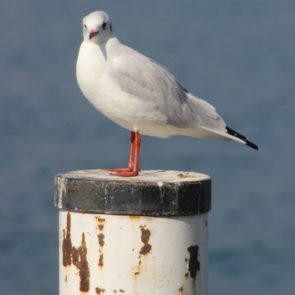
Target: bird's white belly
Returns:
[104, 93]
[99, 89]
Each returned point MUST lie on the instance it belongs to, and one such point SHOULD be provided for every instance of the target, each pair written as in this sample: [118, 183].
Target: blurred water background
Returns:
[237, 54]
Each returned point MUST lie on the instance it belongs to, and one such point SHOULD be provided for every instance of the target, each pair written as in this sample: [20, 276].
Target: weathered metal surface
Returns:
[75, 256]
[152, 193]
[132, 255]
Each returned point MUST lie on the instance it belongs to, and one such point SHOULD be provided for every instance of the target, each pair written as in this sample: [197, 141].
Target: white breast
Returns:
[98, 87]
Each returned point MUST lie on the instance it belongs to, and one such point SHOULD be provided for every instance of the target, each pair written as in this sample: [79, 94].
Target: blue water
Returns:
[237, 54]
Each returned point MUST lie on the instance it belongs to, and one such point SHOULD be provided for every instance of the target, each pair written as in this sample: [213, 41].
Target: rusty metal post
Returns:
[145, 235]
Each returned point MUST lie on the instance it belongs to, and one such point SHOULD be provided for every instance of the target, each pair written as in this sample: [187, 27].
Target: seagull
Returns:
[139, 94]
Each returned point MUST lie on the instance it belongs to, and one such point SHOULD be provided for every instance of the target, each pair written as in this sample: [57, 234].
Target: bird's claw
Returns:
[124, 172]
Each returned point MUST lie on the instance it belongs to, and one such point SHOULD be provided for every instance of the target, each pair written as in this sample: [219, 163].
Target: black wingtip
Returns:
[242, 137]
[252, 145]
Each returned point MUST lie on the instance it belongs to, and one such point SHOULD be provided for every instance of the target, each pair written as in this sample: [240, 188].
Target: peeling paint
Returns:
[145, 237]
[76, 256]
[67, 243]
[83, 266]
[194, 263]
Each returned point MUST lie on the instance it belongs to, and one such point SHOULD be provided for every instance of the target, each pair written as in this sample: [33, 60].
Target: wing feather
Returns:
[153, 84]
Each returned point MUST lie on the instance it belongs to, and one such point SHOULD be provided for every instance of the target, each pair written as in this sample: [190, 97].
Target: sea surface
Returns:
[237, 54]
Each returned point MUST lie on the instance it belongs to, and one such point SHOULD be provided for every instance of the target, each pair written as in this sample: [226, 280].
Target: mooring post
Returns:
[144, 235]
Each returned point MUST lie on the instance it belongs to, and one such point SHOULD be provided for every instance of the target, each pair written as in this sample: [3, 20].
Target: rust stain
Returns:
[145, 249]
[193, 263]
[100, 260]
[121, 291]
[101, 239]
[66, 278]
[145, 237]
[181, 290]
[99, 291]
[137, 268]
[76, 256]
[83, 266]
[100, 219]
[101, 222]
[67, 243]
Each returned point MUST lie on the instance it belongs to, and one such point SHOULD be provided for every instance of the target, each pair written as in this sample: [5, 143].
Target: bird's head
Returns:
[97, 27]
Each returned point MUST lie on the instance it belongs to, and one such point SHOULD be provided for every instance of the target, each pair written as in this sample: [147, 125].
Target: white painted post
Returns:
[145, 235]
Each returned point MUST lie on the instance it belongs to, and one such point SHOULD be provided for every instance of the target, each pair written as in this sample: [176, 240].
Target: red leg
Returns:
[133, 168]
[137, 142]
[131, 157]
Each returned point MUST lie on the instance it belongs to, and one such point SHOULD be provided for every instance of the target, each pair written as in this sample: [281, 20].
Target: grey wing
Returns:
[156, 86]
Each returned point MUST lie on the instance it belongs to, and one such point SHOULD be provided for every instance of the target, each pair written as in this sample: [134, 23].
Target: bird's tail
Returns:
[229, 134]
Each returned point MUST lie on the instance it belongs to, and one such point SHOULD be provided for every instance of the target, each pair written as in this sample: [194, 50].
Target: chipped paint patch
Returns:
[100, 261]
[145, 237]
[76, 256]
[193, 263]
[67, 243]
[83, 266]
[101, 240]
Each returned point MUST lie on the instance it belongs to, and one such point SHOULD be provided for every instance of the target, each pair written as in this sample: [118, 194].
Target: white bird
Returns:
[139, 94]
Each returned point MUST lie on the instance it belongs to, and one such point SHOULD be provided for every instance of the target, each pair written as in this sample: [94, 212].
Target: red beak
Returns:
[92, 34]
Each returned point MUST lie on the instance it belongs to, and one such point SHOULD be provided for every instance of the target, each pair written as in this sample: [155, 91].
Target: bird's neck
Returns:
[107, 47]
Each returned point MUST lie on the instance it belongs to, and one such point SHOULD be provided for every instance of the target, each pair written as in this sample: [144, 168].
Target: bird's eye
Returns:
[85, 27]
[104, 25]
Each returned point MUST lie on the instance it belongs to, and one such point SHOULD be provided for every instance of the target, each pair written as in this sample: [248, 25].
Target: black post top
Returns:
[152, 193]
